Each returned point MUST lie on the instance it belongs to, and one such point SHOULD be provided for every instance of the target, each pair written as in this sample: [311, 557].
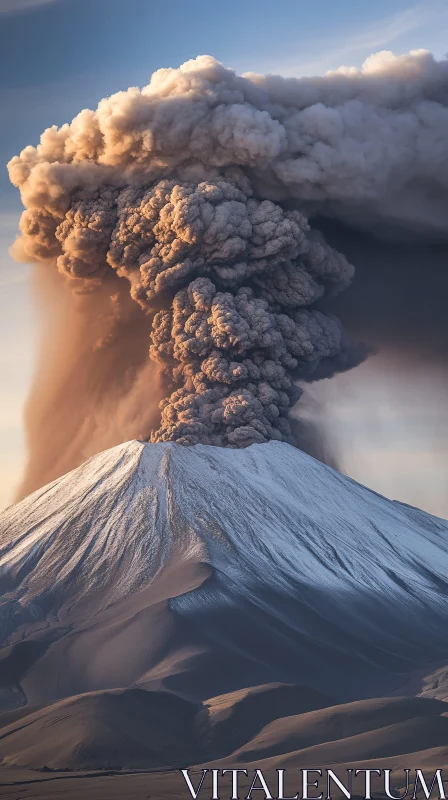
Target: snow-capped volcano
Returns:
[207, 569]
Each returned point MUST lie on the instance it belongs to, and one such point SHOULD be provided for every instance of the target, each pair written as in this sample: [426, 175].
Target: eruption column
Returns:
[195, 191]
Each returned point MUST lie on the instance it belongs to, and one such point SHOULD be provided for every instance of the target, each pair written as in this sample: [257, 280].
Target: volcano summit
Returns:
[165, 605]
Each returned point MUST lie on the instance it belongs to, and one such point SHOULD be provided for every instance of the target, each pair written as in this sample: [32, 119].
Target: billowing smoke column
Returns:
[196, 189]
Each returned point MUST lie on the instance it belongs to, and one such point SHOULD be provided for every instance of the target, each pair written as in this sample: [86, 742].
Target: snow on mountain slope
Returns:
[314, 578]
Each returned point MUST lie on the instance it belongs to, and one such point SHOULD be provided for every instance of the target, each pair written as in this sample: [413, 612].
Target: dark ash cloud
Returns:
[198, 190]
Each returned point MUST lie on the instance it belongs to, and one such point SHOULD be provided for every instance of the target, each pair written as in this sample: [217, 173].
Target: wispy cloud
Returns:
[10, 7]
[384, 32]
[418, 26]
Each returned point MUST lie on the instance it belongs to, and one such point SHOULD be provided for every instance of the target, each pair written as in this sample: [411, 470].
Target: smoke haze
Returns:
[386, 423]
[94, 386]
[198, 192]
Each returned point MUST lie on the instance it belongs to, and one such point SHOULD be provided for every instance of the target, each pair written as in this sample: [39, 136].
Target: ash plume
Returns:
[198, 190]
[95, 386]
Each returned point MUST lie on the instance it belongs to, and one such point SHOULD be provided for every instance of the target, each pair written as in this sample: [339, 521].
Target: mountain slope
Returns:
[129, 729]
[203, 570]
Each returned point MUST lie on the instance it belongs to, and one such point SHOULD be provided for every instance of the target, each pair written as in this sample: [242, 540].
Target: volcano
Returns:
[165, 606]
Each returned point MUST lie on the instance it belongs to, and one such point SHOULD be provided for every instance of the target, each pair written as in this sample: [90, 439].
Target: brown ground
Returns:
[142, 738]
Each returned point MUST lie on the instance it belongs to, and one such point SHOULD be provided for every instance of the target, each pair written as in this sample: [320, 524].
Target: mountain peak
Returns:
[289, 544]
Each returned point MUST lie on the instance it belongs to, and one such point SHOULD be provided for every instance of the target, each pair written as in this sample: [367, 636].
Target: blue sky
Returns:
[58, 56]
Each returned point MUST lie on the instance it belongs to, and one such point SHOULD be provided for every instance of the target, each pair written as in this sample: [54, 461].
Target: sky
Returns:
[58, 56]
